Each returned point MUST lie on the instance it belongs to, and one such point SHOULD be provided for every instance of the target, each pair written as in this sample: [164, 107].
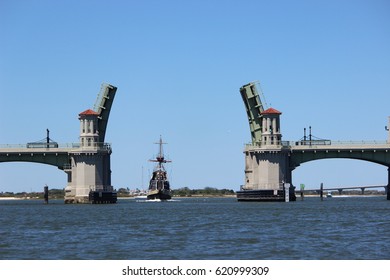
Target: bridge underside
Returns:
[375, 155]
[60, 159]
[379, 155]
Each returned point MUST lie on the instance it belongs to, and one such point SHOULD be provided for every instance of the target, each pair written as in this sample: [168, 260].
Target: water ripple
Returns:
[197, 228]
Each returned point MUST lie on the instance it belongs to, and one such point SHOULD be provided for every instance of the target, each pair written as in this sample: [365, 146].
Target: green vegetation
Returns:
[53, 194]
[201, 192]
[123, 192]
[184, 192]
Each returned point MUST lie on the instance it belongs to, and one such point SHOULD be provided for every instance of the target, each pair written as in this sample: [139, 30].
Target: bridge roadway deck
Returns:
[373, 151]
[59, 156]
[304, 151]
[342, 146]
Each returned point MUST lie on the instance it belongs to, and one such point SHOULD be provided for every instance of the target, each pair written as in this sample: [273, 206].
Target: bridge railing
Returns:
[43, 145]
[338, 143]
[273, 144]
[318, 143]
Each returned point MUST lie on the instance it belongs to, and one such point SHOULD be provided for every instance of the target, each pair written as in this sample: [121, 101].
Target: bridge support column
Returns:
[267, 171]
[362, 190]
[90, 179]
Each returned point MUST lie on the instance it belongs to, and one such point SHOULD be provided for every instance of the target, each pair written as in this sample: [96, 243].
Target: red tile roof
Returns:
[270, 111]
[88, 112]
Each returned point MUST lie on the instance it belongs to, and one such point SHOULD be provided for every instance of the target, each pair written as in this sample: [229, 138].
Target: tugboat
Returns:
[159, 185]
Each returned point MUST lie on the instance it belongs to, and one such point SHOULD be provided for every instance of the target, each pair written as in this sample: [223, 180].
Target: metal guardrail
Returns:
[76, 146]
[288, 144]
[339, 143]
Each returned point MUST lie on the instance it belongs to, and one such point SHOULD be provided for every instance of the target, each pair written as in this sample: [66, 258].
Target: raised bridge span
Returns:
[269, 161]
[87, 163]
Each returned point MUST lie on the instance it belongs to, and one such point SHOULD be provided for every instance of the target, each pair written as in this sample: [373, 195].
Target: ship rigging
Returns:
[159, 187]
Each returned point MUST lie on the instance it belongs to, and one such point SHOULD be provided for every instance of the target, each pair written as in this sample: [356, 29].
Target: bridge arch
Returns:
[58, 159]
[299, 156]
[37, 174]
[344, 172]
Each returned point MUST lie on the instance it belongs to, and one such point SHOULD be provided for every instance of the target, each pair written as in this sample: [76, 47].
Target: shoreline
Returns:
[192, 196]
[15, 198]
[207, 196]
[234, 196]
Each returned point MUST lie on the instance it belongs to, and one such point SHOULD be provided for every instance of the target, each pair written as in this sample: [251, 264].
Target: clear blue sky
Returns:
[178, 66]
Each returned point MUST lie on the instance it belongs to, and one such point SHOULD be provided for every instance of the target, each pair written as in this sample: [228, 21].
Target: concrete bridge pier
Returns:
[89, 176]
[267, 175]
[362, 190]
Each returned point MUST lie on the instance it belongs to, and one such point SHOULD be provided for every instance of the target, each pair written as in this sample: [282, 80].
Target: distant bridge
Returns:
[341, 189]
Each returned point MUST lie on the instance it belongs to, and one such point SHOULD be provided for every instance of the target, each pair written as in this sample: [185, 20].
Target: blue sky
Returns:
[178, 66]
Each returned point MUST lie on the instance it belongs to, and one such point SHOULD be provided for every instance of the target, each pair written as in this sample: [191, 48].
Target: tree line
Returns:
[202, 192]
[53, 194]
[186, 191]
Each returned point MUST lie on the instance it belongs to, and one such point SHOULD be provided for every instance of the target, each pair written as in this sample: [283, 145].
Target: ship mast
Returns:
[160, 157]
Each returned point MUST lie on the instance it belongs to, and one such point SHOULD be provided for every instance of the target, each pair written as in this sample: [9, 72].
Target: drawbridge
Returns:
[254, 107]
[87, 163]
[269, 161]
[103, 106]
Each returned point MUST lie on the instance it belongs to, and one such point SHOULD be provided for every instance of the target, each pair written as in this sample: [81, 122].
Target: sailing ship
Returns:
[159, 187]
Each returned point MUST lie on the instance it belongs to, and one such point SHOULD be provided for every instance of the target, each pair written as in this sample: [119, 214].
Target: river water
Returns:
[197, 228]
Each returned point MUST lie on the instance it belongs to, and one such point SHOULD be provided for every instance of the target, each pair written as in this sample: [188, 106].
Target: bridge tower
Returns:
[271, 127]
[267, 171]
[88, 128]
[89, 173]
